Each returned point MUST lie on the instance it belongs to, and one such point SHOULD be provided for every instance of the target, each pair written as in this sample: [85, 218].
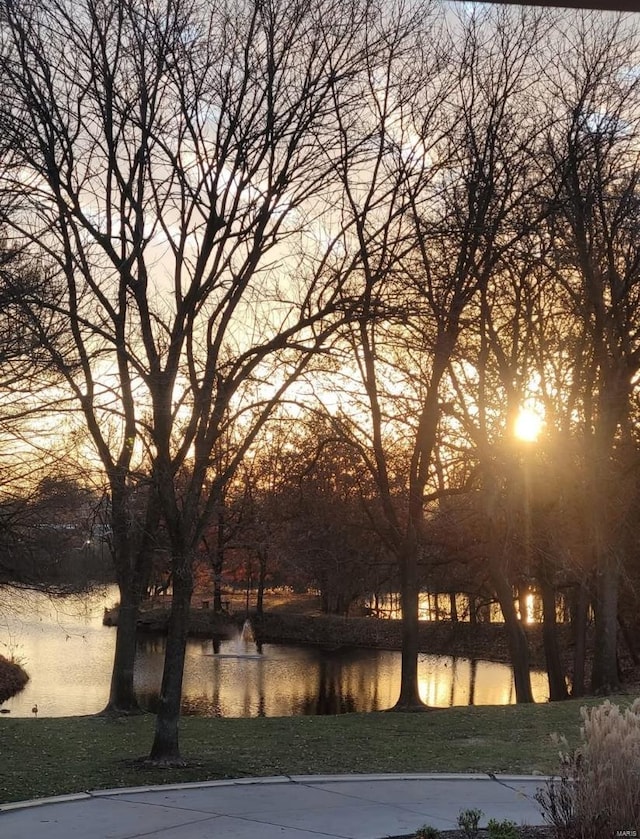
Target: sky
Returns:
[604, 5]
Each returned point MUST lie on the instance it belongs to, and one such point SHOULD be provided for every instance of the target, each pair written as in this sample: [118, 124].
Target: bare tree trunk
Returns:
[262, 576]
[579, 630]
[516, 639]
[218, 559]
[133, 567]
[628, 640]
[473, 678]
[605, 678]
[165, 749]
[555, 671]
[122, 698]
[519, 650]
[247, 593]
[453, 606]
[217, 591]
[409, 699]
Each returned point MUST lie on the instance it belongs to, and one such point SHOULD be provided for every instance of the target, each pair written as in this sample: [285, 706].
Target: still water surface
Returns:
[68, 654]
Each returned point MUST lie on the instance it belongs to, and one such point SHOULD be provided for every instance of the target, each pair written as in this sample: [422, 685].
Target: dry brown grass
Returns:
[598, 792]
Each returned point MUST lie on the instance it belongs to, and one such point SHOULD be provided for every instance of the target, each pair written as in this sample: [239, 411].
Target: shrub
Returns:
[427, 832]
[557, 800]
[598, 790]
[502, 830]
[468, 821]
[12, 678]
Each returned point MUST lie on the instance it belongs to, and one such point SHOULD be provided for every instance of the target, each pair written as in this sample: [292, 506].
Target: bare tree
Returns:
[557, 325]
[595, 262]
[456, 211]
[24, 424]
[179, 157]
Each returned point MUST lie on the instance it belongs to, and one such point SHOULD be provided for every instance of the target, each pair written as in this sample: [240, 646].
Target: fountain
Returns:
[243, 645]
[245, 638]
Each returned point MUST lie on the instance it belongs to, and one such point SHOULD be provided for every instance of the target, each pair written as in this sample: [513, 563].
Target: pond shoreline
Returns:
[12, 678]
[485, 641]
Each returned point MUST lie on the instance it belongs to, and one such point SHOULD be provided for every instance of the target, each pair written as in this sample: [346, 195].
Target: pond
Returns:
[68, 654]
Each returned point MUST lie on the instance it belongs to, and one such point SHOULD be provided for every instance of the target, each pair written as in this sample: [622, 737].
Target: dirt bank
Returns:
[12, 678]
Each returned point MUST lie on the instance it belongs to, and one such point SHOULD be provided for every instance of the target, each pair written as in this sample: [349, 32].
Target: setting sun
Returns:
[528, 425]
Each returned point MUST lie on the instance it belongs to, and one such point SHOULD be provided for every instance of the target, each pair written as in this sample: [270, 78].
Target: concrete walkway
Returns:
[296, 807]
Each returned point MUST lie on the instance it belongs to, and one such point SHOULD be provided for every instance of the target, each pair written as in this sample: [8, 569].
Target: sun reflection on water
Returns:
[68, 654]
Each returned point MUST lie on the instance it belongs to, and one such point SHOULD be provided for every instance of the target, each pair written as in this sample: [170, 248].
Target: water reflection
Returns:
[288, 680]
[68, 654]
[64, 648]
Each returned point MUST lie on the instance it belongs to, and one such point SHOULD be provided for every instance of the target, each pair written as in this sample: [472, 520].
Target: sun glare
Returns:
[528, 425]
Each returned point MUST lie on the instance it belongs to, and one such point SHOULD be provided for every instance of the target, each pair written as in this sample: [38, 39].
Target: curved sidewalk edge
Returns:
[272, 779]
[281, 807]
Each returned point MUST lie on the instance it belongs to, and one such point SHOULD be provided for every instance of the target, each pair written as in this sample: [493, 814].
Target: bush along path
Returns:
[494, 830]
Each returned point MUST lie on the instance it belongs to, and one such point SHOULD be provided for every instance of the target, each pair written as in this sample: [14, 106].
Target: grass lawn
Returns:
[40, 757]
